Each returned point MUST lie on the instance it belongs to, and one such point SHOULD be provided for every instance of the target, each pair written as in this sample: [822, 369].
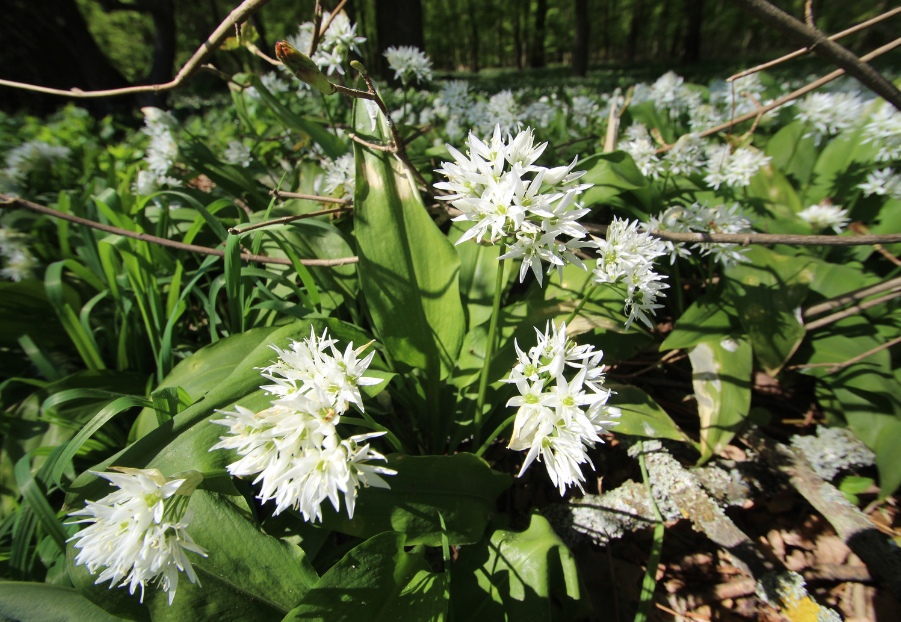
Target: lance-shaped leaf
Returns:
[408, 269]
[517, 575]
[721, 375]
[303, 67]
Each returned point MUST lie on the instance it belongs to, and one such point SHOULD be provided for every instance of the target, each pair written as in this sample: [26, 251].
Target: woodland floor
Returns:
[789, 531]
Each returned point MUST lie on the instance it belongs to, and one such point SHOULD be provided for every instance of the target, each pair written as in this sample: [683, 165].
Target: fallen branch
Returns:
[281, 194]
[9, 202]
[858, 294]
[793, 95]
[805, 50]
[877, 550]
[286, 219]
[834, 367]
[239, 15]
[817, 42]
[764, 238]
[835, 317]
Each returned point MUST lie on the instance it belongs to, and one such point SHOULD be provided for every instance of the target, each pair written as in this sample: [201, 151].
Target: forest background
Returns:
[100, 44]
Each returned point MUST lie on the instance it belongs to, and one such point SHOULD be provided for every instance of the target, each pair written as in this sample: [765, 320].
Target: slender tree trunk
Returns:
[634, 28]
[580, 50]
[163, 14]
[662, 28]
[473, 36]
[694, 14]
[517, 36]
[537, 52]
[397, 22]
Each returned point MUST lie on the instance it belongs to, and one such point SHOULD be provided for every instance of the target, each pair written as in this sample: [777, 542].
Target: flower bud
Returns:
[303, 67]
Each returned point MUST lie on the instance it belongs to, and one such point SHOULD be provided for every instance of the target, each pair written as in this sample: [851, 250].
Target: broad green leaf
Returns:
[708, 318]
[792, 152]
[611, 174]
[408, 269]
[462, 488]
[517, 575]
[377, 581]
[641, 414]
[247, 575]
[478, 275]
[40, 602]
[866, 395]
[721, 376]
[768, 291]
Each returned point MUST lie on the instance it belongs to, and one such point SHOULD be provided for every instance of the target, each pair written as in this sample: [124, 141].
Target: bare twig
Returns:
[317, 22]
[818, 43]
[878, 551]
[570, 143]
[834, 367]
[793, 95]
[835, 317]
[9, 202]
[858, 294]
[808, 13]
[286, 219]
[804, 50]
[332, 16]
[687, 614]
[765, 238]
[389, 148]
[239, 15]
[281, 194]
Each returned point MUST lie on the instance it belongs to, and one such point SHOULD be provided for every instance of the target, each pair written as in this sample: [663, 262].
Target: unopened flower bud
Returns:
[303, 67]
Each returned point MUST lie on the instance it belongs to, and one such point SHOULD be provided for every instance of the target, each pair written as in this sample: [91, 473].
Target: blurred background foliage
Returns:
[112, 43]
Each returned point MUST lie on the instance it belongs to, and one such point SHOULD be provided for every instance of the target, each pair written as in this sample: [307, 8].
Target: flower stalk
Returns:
[489, 348]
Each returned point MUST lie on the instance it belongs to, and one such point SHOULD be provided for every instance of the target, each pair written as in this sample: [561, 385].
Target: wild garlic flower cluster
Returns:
[335, 44]
[409, 63]
[584, 111]
[626, 257]
[454, 104]
[558, 419]
[828, 114]
[884, 130]
[18, 262]
[237, 153]
[882, 182]
[824, 215]
[339, 173]
[500, 189]
[501, 109]
[161, 152]
[33, 156]
[699, 218]
[294, 447]
[139, 533]
[733, 168]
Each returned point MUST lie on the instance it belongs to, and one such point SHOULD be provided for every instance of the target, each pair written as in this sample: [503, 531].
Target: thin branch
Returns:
[9, 202]
[420, 132]
[281, 194]
[858, 294]
[794, 94]
[286, 219]
[332, 15]
[835, 317]
[808, 14]
[834, 367]
[818, 43]
[240, 14]
[366, 143]
[802, 51]
[764, 238]
[570, 143]
[317, 22]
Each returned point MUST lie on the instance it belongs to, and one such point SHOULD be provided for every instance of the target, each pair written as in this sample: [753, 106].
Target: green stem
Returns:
[650, 576]
[495, 434]
[582, 302]
[677, 282]
[489, 348]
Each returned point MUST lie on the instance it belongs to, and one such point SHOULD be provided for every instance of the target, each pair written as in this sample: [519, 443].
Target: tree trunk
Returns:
[537, 52]
[473, 36]
[580, 50]
[48, 43]
[632, 41]
[517, 36]
[162, 70]
[694, 13]
[397, 22]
